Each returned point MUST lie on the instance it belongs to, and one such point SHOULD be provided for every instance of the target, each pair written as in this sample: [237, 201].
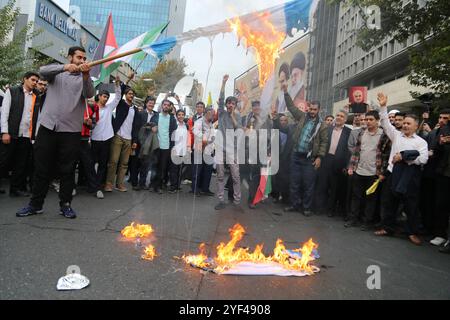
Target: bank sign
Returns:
[60, 23]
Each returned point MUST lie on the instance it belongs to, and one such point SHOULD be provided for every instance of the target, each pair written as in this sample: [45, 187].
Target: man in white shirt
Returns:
[180, 152]
[409, 152]
[15, 148]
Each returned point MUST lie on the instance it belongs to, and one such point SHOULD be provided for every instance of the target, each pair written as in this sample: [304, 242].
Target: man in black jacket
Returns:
[146, 116]
[331, 184]
[126, 130]
[16, 122]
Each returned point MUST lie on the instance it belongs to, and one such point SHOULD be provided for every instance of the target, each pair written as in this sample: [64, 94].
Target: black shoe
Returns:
[291, 209]
[173, 190]
[2, 191]
[18, 194]
[158, 190]
[251, 206]
[366, 227]
[445, 248]
[28, 211]
[308, 213]
[68, 212]
[137, 188]
[208, 193]
[220, 206]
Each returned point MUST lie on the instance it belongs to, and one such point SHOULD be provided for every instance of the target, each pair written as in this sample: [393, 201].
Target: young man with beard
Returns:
[229, 121]
[167, 124]
[126, 129]
[58, 140]
[309, 146]
[16, 124]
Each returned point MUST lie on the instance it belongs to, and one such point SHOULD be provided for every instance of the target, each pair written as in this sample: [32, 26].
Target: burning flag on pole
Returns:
[264, 30]
[231, 260]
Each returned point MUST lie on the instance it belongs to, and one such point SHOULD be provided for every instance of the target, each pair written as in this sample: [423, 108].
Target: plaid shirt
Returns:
[356, 155]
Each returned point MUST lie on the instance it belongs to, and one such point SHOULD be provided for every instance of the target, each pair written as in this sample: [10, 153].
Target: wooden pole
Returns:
[108, 59]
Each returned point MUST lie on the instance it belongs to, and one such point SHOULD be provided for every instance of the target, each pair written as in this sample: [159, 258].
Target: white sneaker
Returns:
[438, 241]
[100, 195]
[74, 192]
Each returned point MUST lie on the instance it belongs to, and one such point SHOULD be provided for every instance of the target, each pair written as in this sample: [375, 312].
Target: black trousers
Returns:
[175, 175]
[15, 156]
[100, 154]
[427, 206]
[134, 165]
[359, 197]
[146, 165]
[252, 174]
[331, 190]
[88, 165]
[410, 203]
[201, 177]
[54, 150]
[163, 168]
[440, 223]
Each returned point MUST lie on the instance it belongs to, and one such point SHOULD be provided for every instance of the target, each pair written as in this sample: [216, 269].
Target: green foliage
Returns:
[163, 78]
[14, 60]
[429, 20]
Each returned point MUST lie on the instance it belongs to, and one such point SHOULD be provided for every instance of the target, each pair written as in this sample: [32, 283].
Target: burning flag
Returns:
[149, 253]
[231, 260]
[134, 231]
[264, 30]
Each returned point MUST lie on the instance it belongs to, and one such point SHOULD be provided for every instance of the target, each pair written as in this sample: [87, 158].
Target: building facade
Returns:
[322, 56]
[132, 18]
[58, 31]
[383, 68]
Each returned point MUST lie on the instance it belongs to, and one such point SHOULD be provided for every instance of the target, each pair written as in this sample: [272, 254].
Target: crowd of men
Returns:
[384, 171]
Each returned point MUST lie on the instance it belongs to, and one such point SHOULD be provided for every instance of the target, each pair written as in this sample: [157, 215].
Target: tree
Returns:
[14, 59]
[429, 20]
[162, 79]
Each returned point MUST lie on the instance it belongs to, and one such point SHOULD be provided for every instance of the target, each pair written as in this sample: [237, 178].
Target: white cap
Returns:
[393, 112]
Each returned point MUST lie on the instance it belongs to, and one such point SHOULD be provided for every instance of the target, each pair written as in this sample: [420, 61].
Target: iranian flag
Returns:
[106, 45]
[265, 186]
[144, 39]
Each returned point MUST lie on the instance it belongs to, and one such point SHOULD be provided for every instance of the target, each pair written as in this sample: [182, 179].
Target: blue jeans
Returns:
[303, 180]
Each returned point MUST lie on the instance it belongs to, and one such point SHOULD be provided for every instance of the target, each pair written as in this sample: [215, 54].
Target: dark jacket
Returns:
[122, 113]
[443, 154]
[40, 99]
[172, 127]
[16, 110]
[143, 115]
[319, 142]
[405, 177]
[285, 151]
[342, 155]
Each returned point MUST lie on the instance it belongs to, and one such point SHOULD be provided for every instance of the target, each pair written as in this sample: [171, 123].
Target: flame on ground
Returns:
[149, 253]
[228, 255]
[137, 231]
[266, 40]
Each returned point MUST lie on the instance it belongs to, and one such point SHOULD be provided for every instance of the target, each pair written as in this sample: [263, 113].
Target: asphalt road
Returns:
[36, 251]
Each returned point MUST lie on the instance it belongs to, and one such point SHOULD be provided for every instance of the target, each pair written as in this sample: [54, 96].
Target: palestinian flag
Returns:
[144, 39]
[106, 45]
[265, 186]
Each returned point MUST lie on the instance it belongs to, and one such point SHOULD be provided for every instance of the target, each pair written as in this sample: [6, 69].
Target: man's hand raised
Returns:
[225, 78]
[382, 99]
